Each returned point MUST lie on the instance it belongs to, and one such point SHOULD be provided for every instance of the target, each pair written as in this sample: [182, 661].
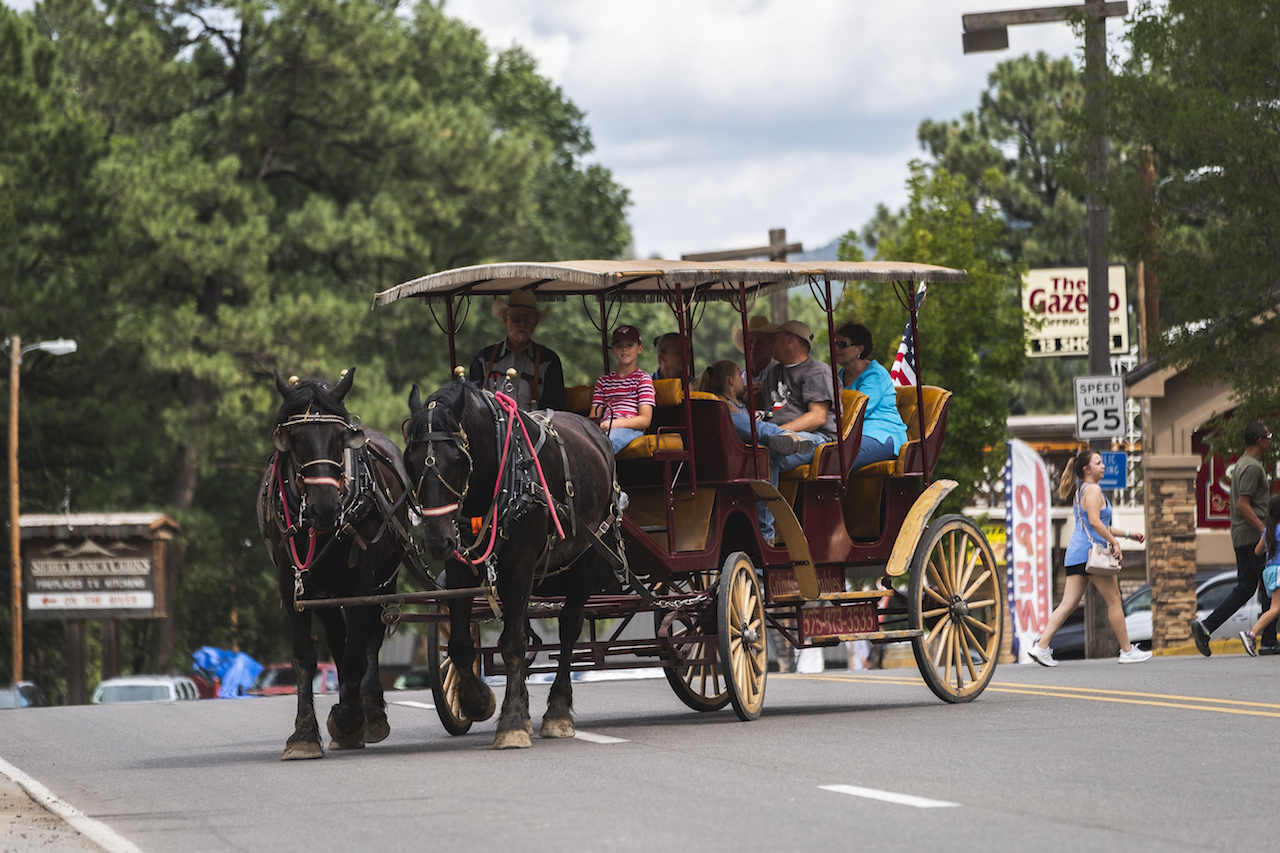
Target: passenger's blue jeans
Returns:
[777, 464]
[620, 437]
[871, 451]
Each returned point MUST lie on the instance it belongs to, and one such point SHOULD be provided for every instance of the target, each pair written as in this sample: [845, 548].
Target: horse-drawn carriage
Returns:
[677, 540]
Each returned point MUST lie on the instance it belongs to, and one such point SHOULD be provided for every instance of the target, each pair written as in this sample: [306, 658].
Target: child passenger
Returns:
[623, 400]
[1267, 545]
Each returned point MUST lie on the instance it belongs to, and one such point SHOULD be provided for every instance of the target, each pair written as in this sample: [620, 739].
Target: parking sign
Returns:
[1117, 474]
[1099, 407]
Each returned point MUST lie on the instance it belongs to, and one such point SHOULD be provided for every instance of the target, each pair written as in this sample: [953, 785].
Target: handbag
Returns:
[1100, 560]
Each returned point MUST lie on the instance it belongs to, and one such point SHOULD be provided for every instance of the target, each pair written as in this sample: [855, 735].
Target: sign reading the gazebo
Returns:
[107, 577]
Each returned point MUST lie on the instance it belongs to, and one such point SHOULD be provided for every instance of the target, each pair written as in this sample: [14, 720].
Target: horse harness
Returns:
[520, 488]
[288, 500]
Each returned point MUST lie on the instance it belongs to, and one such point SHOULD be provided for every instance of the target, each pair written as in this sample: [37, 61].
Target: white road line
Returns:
[890, 797]
[426, 706]
[593, 738]
[97, 832]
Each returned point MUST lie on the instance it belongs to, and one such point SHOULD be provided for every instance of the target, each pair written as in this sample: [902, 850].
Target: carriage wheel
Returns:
[444, 677]
[700, 686]
[955, 598]
[742, 649]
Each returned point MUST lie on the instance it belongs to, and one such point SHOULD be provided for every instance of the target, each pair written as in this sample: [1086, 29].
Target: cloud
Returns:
[728, 117]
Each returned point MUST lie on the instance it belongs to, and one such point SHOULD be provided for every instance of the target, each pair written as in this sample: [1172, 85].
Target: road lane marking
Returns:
[96, 831]
[1126, 697]
[890, 797]
[426, 706]
[594, 738]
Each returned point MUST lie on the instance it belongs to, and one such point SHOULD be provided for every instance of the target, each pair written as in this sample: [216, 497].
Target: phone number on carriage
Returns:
[91, 601]
[817, 622]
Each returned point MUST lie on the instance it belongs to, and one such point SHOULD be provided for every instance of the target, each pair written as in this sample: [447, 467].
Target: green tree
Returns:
[267, 167]
[1202, 87]
[971, 334]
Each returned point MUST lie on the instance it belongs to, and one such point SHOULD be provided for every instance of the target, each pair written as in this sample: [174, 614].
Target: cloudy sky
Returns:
[725, 118]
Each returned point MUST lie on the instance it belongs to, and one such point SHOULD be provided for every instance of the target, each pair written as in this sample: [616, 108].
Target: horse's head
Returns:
[314, 429]
[438, 455]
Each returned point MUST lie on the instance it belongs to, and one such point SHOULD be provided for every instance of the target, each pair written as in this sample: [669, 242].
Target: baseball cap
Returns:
[626, 334]
[795, 327]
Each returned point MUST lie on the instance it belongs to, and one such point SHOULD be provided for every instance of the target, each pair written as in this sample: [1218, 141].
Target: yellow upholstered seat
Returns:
[909, 461]
[578, 398]
[646, 446]
[853, 406]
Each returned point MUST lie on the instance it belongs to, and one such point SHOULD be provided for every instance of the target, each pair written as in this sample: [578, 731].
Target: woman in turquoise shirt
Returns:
[883, 432]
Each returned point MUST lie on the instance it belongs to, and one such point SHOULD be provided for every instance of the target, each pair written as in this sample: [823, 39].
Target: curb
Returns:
[1232, 646]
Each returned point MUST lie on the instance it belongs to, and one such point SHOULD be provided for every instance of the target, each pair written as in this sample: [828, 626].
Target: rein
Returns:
[299, 564]
[505, 405]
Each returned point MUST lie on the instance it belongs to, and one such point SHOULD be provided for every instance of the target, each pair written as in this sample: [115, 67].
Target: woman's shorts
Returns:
[1269, 578]
[1077, 569]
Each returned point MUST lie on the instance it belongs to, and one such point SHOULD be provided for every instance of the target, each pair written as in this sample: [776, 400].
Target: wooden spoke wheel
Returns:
[956, 598]
[444, 677]
[742, 642]
[699, 685]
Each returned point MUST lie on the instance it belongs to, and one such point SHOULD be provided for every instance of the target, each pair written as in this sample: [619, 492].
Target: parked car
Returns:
[1211, 589]
[414, 679]
[24, 694]
[145, 688]
[278, 680]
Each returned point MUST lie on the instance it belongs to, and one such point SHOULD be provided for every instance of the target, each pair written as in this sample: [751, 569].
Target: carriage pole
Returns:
[751, 385]
[836, 402]
[448, 318]
[914, 308]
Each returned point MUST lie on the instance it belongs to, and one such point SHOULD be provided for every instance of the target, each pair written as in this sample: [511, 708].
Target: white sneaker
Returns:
[1134, 655]
[1040, 655]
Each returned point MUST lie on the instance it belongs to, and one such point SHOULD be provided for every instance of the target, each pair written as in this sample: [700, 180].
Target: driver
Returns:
[539, 383]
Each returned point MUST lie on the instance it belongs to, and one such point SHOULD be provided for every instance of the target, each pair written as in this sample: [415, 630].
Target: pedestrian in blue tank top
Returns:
[1092, 524]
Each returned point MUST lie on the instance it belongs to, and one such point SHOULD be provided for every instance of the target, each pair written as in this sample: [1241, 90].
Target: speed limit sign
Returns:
[1099, 407]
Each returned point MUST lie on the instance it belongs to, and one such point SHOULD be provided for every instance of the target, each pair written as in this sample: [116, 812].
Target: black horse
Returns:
[332, 512]
[463, 450]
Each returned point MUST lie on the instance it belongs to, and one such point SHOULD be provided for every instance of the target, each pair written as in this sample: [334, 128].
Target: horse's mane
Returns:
[446, 399]
[313, 395]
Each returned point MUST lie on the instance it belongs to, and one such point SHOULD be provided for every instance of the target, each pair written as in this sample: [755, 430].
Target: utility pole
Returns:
[777, 250]
[989, 31]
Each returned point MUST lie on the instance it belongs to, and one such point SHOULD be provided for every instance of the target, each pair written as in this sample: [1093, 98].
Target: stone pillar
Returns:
[1171, 547]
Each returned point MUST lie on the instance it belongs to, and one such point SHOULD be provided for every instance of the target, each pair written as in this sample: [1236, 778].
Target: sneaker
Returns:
[1201, 635]
[789, 444]
[1250, 641]
[1134, 655]
[1041, 655]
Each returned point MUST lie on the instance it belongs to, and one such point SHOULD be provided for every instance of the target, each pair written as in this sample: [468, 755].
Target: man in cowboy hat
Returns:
[539, 383]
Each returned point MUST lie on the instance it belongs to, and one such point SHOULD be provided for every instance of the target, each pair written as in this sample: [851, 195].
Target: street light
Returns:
[61, 346]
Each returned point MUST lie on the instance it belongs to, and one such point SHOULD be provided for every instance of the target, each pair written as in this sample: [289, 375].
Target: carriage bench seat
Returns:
[826, 457]
[910, 462]
[666, 392]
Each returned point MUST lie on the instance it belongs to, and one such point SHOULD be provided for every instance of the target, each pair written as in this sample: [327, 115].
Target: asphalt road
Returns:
[1174, 754]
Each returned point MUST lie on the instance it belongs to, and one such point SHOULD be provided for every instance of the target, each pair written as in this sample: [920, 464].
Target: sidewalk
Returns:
[26, 825]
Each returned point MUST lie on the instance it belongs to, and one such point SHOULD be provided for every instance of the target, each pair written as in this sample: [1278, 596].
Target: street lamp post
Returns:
[16, 351]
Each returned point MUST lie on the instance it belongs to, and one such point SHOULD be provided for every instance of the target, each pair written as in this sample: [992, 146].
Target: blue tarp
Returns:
[235, 671]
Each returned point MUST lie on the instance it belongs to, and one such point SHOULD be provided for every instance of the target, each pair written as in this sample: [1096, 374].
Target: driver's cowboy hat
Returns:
[522, 301]
[756, 325]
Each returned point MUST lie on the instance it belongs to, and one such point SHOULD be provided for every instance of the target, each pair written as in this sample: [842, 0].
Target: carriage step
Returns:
[852, 595]
[653, 528]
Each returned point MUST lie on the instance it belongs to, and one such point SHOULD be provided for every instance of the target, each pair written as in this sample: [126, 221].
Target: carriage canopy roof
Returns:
[652, 280]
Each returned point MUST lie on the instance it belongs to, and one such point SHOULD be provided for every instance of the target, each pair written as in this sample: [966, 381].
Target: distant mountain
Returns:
[822, 253]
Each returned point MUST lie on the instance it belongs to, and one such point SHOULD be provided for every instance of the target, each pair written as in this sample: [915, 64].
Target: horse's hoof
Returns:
[342, 739]
[300, 750]
[334, 744]
[528, 726]
[516, 739]
[486, 705]
[557, 728]
[376, 731]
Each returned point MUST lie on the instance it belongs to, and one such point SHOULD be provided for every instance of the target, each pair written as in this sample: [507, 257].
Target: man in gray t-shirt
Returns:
[1249, 493]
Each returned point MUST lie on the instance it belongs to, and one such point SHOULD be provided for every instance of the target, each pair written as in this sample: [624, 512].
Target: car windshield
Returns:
[282, 677]
[1211, 596]
[119, 693]
[1140, 603]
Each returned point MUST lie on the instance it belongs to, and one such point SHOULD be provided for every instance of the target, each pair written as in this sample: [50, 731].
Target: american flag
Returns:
[904, 364]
